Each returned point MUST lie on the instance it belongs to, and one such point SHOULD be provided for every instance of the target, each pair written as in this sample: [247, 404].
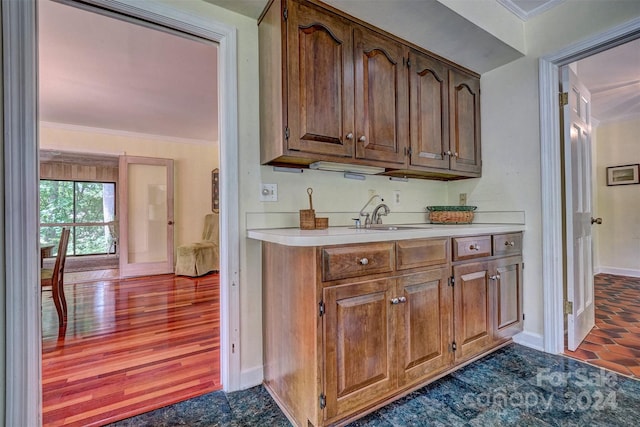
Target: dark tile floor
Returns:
[614, 343]
[514, 386]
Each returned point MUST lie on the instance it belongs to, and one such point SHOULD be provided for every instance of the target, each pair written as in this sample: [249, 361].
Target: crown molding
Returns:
[525, 15]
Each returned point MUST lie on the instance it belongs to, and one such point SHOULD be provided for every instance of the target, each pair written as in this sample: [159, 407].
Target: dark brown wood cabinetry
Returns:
[350, 327]
[338, 89]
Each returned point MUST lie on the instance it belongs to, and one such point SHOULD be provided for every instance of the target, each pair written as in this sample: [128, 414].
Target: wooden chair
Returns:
[55, 278]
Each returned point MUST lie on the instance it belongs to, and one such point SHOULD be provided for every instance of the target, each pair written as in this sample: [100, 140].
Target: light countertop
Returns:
[346, 235]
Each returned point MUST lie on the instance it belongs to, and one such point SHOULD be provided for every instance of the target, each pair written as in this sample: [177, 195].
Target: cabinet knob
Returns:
[363, 261]
[402, 299]
[395, 300]
[349, 136]
[447, 153]
[496, 277]
[455, 155]
[474, 247]
[362, 139]
[511, 243]
[596, 221]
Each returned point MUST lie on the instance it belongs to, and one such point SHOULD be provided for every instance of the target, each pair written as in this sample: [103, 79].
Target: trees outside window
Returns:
[88, 208]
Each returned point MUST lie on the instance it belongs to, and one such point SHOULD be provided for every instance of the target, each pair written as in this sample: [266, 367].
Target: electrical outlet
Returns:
[396, 197]
[268, 193]
[463, 199]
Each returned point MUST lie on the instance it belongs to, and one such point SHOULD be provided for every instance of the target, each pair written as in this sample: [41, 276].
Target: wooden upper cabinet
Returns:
[320, 82]
[429, 106]
[464, 104]
[381, 94]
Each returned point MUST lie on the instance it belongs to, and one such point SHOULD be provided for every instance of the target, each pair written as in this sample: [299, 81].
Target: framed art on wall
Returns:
[623, 175]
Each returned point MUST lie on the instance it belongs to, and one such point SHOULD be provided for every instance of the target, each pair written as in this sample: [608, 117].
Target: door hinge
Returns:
[452, 281]
[408, 62]
[522, 316]
[523, 265]
[564, 98]
[286, 133]
[408, 151]
[568, 307]
[321, 308]
[323, 401]
[454, 346]
[285, 13]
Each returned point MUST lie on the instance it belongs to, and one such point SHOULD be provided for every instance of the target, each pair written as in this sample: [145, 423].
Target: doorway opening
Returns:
[552, 179]
[114, 86]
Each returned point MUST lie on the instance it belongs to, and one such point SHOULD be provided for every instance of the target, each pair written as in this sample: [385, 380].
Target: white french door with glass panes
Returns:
[145, 216]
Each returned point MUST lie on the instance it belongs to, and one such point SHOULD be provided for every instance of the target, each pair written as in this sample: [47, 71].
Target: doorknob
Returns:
[170, 222]
[596, 220]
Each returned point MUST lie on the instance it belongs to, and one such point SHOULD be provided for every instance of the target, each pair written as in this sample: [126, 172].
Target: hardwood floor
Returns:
[130, 346]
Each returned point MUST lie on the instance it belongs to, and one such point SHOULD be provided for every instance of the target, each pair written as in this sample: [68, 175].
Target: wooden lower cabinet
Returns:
[336, 349]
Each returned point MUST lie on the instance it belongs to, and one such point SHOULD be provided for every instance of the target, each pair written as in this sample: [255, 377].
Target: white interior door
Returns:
[577, 160]
[145, 216]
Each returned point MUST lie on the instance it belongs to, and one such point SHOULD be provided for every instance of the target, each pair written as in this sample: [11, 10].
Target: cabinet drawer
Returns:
[421, 253]
[357, 260]
[471, 247]
[507, 244]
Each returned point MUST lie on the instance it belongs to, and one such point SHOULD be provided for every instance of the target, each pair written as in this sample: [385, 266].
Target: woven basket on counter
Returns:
[451, 214]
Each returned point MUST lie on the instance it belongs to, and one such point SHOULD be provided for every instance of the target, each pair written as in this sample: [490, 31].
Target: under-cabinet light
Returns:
[345, 167]
[398, 178]
[290, 170]
[351, 175]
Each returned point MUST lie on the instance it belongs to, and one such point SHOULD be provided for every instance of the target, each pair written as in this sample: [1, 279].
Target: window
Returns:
[88, 208]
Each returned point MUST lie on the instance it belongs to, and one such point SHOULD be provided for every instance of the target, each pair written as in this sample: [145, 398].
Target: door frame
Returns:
[551, 172]
[21, 399]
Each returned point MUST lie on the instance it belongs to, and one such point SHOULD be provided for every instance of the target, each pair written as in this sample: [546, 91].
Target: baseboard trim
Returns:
[251, 377]
[618, 271]
[529, 339]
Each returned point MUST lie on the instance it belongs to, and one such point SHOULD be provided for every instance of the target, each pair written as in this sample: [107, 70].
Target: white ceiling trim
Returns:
[126, 134]
[528, 14]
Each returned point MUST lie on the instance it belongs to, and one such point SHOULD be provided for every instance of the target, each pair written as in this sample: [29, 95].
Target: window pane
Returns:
[51, 236]
[56, 201]
[94, 202]
[91, 240]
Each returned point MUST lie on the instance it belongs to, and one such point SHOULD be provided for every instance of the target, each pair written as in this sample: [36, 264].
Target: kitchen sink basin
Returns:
[391, 227]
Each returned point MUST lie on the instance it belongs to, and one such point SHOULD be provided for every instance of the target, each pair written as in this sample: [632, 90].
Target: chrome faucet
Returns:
[367, 220]
[375, 216]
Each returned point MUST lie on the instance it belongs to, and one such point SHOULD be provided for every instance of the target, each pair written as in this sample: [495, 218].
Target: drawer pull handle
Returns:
[496, 277]
[474, 247]
[363, 261]
[511, 243]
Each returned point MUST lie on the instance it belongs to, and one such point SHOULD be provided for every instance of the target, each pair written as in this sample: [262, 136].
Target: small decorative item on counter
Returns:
[308, 216]
[322, 223]
[451, 214]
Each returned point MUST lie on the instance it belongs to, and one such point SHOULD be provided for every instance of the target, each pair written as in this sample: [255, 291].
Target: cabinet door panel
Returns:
[472, 309]
[381, 97]
[507, 275]
[464, 104]
[359, 345]
[320, 76]
[424, 326]
[429, 109]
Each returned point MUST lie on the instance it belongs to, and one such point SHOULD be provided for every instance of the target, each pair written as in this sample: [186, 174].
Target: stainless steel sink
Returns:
[391, 227]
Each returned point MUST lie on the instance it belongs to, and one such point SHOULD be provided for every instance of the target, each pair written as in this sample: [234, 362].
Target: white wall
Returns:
[618, 247]
[193, 164]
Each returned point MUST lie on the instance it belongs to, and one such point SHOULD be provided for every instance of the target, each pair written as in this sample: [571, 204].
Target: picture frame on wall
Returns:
[623, 175]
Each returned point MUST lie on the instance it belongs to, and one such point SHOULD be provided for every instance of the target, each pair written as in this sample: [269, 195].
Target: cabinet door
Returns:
[429, 109]
[424, 325]
[506, 275]
[359, 340]
[464, 119]
[320, 82]
[473, 298]
[381, 97]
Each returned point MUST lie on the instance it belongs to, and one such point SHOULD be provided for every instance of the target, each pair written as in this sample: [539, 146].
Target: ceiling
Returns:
[105, 73]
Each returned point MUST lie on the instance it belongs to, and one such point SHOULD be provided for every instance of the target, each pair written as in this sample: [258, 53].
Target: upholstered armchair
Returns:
[199, 258]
